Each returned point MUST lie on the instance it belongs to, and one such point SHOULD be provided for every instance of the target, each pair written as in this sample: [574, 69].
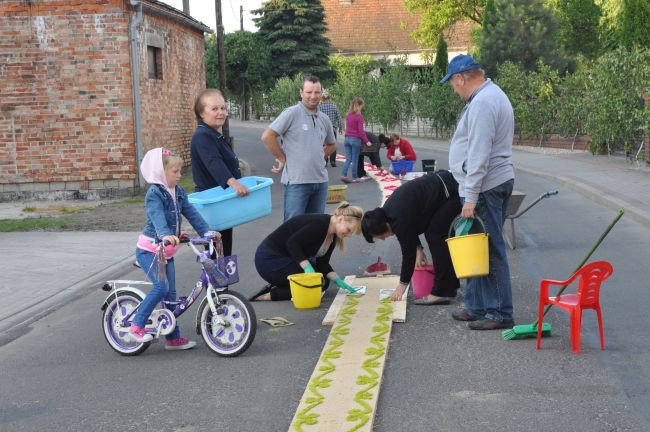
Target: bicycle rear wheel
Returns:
[236, 334]
[119, 307]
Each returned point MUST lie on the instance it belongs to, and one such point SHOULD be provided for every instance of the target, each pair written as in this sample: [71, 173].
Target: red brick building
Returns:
[68, 110]
[382, 28]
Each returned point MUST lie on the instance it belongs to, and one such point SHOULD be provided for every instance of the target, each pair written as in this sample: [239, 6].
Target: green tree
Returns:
[579, 26]
[437, 15]
[389, 103]
[295, 32]
[524, 32]
[285, 92]
[442, 58]
[352, 78]
[211, 62]
[533, 98]
[617, 83]
[635, 23]
[248, 61]
[572, 106]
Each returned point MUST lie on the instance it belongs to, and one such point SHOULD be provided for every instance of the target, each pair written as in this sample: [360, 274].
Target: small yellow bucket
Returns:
[469, 253]
[306, 289]
[336, 193]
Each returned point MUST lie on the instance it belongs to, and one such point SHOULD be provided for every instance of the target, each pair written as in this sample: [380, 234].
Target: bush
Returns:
[617, 117]
[285, 93]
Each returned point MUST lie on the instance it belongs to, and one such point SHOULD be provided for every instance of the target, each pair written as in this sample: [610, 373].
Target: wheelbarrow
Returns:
[512, 213]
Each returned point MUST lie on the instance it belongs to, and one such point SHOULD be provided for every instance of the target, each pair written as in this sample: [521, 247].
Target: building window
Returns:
[154, 62]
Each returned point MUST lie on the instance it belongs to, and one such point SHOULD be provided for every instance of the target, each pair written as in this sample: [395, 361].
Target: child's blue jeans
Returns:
[160, 291]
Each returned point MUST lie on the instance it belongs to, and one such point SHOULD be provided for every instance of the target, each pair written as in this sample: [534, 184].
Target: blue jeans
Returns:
[304, 198]
[491, 296]
[352, 149]
[160, 291]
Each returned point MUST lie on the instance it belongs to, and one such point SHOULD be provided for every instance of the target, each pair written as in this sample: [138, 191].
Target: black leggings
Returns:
[374, 159]
[275, 269]
[445, 281]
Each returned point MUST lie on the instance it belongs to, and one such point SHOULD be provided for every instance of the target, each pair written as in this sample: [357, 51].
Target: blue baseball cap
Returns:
[460, 63]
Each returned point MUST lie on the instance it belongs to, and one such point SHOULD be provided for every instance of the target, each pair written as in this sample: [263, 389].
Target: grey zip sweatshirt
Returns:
[480, 155]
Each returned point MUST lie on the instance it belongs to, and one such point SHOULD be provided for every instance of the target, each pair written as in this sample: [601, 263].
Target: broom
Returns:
[525, 331]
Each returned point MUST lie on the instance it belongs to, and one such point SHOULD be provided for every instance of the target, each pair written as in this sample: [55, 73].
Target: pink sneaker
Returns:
[180, 343]
[139, 334]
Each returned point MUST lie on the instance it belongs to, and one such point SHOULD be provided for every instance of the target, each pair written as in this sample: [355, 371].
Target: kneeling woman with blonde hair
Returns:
[304, 243]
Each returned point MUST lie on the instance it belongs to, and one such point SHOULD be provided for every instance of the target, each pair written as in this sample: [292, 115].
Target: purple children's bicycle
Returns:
[225, 319]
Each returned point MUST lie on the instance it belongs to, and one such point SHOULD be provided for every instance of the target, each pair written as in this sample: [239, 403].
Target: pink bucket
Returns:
[422, 281]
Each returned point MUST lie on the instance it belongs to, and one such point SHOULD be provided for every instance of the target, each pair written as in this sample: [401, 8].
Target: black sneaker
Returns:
[488, 324]
[463, 315]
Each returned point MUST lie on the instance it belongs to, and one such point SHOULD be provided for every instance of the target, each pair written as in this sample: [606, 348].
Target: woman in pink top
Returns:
[355, 137]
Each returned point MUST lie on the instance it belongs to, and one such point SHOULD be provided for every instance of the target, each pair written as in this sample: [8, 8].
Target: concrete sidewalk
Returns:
[42, 270]
[609, 180]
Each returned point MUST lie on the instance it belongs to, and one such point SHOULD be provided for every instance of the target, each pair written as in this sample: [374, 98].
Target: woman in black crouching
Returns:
[426, 205]
[304, 243]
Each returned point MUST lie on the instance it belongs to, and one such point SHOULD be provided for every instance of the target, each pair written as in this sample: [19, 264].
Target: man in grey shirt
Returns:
[307, 138]
[480, 158]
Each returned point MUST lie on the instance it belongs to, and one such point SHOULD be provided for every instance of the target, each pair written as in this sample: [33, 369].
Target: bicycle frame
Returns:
[183, 303]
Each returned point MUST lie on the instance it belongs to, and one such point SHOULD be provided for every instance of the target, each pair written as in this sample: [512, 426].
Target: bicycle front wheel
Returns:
[231, 330]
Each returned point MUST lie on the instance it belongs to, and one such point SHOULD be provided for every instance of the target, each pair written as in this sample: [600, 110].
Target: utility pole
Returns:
[225, 129]
[242, 100]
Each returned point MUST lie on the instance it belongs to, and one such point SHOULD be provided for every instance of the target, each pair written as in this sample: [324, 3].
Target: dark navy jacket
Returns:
[213, 161]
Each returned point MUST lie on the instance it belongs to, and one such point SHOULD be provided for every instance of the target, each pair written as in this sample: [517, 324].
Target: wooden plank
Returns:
[343, 390]
[399, 314]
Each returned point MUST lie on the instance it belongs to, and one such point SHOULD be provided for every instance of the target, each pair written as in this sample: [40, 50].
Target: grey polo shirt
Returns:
[303, 136]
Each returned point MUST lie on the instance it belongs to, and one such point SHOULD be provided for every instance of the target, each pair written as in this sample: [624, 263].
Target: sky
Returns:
[204, 11]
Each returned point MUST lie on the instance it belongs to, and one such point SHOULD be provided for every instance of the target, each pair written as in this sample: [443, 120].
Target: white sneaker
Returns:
[178, 344]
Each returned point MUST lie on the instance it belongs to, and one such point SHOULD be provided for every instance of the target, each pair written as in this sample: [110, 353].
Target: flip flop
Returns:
[265, 290]
[277, 322]
[438, 301]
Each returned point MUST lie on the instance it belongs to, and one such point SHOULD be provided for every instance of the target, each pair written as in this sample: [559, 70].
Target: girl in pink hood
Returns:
[164, 203]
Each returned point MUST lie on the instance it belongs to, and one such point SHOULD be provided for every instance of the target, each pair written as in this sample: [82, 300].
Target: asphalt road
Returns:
[62, 375]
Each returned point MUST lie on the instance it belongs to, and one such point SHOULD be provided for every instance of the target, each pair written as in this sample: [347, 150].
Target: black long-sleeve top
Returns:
[301, 237]
[213, 161]
[409, 211]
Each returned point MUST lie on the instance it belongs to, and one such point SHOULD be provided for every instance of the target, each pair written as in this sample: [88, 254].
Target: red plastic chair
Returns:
[588, 297]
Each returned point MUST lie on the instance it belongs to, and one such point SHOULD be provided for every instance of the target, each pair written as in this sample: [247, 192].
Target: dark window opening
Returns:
[154, 62]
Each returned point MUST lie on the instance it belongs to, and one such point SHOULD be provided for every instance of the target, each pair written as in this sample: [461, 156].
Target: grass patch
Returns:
[32, 224]
[134, 200]
[58, 209]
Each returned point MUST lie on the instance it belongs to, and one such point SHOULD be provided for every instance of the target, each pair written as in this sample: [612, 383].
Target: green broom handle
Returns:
[593, 249]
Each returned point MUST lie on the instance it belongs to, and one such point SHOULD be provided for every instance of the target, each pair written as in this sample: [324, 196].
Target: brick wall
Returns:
[168, 103]
[66, 106]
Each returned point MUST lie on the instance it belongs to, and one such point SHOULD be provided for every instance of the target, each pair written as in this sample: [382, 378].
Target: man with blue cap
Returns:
[480, 159]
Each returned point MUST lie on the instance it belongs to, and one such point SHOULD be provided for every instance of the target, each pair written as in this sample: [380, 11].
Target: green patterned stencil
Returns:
[305, 416]
[371, 379]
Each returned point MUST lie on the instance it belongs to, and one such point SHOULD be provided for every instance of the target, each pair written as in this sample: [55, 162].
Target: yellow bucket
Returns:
[336, 193]
[306, 289]
[469, 253]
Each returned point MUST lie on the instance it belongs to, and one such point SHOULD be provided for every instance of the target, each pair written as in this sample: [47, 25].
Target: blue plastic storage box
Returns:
[223, 209]
[403, 166]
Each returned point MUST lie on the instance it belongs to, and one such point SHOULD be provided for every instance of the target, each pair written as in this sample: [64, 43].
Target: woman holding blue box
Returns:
[214, 162]
[304, 243]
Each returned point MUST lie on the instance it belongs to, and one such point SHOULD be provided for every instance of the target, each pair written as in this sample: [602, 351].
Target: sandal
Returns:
[266, 290]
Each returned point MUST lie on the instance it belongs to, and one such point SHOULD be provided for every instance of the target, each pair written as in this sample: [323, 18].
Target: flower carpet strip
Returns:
[343, 390]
